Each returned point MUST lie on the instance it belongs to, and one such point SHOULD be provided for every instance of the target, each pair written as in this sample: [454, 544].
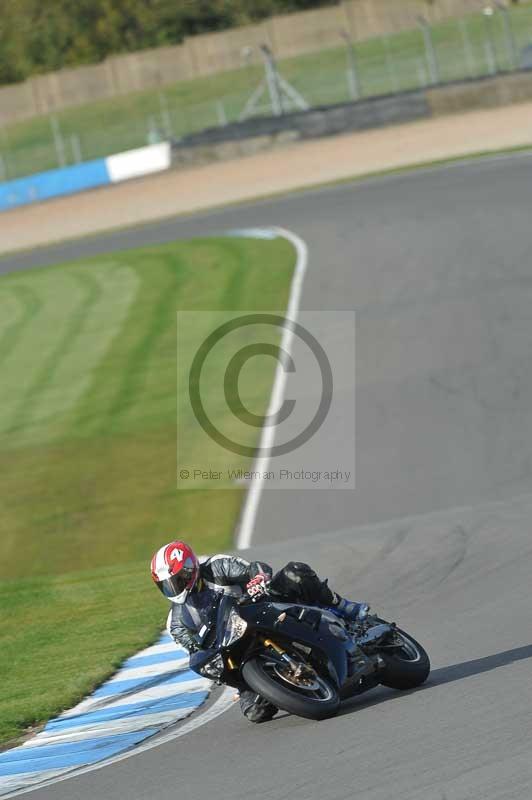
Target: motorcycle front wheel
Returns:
[407, 666]
[306, 695]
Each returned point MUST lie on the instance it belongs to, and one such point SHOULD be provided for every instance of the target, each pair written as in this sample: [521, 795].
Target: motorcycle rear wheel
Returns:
[406, 668]
[265, 677]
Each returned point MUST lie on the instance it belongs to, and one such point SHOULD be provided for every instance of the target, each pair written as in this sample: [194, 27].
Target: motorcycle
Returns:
[305, 659]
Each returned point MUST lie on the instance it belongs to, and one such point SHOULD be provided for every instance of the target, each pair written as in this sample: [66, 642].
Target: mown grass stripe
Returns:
[162, 316]
[40, 336]
[68, 370]
[28, 305]
[118, 286]
[236, 282]
[73, 328]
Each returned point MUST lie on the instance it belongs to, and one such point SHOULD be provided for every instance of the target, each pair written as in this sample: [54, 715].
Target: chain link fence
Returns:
[497, 39]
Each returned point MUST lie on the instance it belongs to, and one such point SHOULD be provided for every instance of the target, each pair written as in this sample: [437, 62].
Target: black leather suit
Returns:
[220, 573]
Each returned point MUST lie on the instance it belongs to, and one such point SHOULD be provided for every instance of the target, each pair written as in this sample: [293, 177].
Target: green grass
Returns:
[384, 64]
[88, 454]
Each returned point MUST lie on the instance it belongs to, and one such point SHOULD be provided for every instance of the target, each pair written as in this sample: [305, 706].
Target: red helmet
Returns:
[175, 570]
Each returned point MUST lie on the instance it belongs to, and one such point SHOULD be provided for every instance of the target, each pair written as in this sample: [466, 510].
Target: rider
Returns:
[190, 583]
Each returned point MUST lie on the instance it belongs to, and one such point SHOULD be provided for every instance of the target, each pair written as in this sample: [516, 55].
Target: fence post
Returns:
[222, 116]
[59, 143]
[421, 73]
[4, 156]
[489, 44]
[154, 137]
[272, 80]
[352, 71]
[490, 59]
[508, 34]
[75, 144]
[351, 86]
[392, 75]
[165, 115]
[468, 49]
[430, 52]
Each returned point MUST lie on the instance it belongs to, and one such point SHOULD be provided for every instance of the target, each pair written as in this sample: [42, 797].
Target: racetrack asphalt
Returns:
[437, 264]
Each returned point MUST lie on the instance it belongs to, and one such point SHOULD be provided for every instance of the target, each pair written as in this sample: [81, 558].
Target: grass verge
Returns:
[88, 454]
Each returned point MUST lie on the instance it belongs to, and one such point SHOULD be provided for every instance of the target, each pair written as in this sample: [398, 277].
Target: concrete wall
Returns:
[369, 18]
[289, 35]
[265, 133]
[486, 93]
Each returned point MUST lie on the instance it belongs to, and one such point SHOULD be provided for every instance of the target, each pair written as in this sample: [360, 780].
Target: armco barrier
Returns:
[89, 175]
[135, 163]
[53, 183]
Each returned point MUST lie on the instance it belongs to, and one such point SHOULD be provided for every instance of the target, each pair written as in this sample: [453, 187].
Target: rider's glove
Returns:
[257, 586]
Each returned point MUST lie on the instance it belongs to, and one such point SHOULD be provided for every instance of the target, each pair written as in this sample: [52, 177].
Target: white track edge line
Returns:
[222, 704]
[251, 503]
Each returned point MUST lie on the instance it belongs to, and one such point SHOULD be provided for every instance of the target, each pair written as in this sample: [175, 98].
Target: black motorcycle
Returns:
[304, 659]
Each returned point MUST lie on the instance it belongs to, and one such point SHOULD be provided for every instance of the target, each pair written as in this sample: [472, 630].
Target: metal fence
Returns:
[497, 39]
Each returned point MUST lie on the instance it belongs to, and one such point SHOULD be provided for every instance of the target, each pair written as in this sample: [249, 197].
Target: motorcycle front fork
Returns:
[297, 667]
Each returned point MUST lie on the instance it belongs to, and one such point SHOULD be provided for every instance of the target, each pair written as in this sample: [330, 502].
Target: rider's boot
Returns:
[347, 609]
[256, 708]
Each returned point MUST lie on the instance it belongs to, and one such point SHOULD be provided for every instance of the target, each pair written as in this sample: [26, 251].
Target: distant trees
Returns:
[44, 35]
